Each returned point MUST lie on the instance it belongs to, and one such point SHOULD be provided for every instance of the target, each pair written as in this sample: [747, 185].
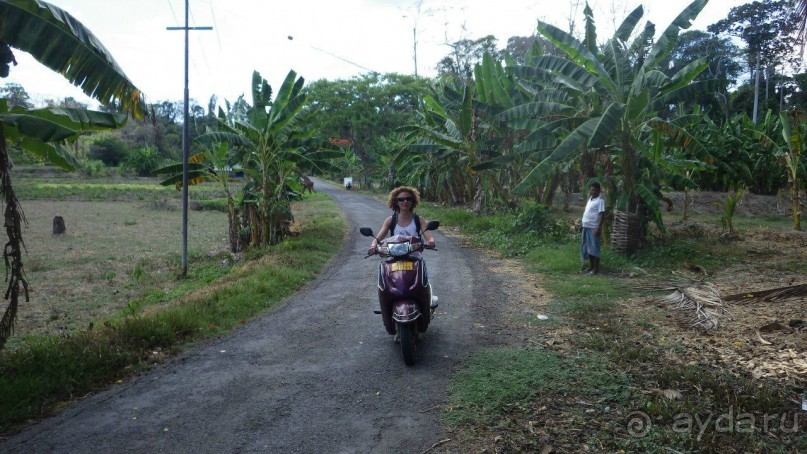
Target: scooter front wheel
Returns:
[407, 337]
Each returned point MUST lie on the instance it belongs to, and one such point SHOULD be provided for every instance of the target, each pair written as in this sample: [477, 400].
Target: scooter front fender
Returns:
[405, 311]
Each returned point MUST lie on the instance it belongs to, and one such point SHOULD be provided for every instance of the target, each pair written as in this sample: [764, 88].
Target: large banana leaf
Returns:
[574, 142]
[62, 43]
[792, 138]
[690, 91]
[500, 161]
[480, 80]
[577, 51]
[288, 89]
[571, 73]
[536, 110]
[19, 125]
[686, 75]
[261, 91]
[651, 200]
[56, 124]
[667, 40]
[467, 112]
[606, 125]
[230, 137]
[591, 30]
[287, 112]
[637, 105]
[626, 28]
[56, 154]
[33, 128]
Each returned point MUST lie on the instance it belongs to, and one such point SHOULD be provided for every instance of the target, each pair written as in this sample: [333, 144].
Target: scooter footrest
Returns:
[377, 312]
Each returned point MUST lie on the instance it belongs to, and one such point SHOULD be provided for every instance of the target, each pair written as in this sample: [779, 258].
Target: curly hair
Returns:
[392, 200]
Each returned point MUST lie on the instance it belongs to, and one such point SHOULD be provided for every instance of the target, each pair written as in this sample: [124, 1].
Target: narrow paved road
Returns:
[317, 375]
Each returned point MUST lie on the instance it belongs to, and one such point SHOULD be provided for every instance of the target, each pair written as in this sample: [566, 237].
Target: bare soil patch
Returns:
[763, 339]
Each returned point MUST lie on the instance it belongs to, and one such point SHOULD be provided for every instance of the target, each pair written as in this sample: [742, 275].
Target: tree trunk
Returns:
[549, 191]
[13, 250]
[233, 224]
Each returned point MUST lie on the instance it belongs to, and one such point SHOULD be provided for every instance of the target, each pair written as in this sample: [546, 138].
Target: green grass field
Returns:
[105, 297]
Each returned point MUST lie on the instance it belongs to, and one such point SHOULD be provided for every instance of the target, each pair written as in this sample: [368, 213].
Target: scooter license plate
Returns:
[402, 266]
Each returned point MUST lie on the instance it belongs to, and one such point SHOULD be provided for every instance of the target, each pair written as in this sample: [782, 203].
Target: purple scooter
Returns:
[404, 291]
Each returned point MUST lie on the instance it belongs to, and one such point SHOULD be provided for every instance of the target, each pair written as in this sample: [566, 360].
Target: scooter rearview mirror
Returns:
[432, 225]
[367, 231]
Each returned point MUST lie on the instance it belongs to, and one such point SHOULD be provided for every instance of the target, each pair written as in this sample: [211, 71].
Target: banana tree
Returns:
[60, 42]
[459, 130]
[626, 97]
[277, 141]
[212, 164]
[794, 130]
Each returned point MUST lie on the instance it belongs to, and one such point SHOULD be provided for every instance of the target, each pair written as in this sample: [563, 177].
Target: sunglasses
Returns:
[406, 199]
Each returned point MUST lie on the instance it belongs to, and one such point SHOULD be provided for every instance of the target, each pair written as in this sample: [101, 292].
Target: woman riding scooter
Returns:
[404, 291]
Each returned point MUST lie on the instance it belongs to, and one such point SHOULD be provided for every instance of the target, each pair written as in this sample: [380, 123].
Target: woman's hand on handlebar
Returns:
[372, 250]
[430, 244]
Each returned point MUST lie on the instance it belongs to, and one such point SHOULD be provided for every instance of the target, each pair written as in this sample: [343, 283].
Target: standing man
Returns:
[592, 228]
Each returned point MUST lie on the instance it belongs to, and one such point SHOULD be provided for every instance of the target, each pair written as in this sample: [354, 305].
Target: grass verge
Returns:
[614, 384]
[43, 372]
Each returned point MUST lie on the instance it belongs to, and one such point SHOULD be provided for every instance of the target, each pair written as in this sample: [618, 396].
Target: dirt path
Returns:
[318, 374]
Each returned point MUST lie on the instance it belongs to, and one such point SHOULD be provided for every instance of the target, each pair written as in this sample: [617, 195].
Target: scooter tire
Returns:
[407, 337]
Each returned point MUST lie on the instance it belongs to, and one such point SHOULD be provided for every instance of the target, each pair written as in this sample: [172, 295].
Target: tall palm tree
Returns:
[60, 42]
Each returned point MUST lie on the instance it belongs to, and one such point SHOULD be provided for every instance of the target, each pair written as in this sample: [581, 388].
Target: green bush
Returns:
[94, 168]
[143, 161]
[110, 150]
[536, 218]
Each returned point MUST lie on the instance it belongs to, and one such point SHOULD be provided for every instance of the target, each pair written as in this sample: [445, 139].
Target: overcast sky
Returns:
[331, 39]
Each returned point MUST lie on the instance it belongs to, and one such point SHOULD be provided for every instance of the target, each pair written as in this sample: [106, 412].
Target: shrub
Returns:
[110, 150]
[143, 161]
[93, 168]
[534, 217]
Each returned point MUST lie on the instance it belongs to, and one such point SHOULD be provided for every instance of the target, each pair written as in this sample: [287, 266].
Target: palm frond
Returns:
[699, 296]
[771, 295]
[59, 41]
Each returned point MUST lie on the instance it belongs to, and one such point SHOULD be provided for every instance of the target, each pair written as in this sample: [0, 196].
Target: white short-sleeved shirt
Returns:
[410, 229]
[591, 214]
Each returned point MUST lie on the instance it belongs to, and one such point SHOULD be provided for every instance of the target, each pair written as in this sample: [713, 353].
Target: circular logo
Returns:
[638, 424]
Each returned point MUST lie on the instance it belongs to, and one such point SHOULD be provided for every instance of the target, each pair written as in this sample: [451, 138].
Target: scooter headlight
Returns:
[399, 249]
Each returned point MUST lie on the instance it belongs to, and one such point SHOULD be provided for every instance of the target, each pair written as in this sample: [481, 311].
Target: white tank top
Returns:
[410, 229]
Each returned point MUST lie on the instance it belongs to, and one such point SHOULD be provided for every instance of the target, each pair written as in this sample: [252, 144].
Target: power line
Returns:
[171, 7]
[291, 38]
[215, 25]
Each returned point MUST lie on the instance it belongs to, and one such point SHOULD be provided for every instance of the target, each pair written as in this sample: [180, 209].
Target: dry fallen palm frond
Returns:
[701, 296]
[774, 294]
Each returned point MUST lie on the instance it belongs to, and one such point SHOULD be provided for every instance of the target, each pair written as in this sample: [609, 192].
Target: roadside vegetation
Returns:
[40, 370]
[607, 370]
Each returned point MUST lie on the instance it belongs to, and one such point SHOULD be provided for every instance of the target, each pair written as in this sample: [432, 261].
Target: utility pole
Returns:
[185, 145]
